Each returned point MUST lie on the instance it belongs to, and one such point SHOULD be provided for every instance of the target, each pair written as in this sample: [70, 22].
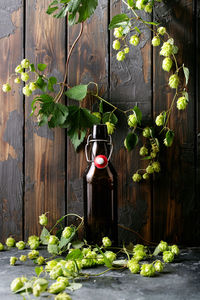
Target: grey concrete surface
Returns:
[179, 281]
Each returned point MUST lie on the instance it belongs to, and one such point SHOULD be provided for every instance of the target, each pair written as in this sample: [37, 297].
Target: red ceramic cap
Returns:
[100, 161]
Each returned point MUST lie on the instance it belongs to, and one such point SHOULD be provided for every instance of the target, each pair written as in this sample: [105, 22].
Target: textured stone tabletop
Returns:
[180, 280]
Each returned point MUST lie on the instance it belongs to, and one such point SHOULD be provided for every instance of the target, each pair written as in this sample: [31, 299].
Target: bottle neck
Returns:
[99, 148]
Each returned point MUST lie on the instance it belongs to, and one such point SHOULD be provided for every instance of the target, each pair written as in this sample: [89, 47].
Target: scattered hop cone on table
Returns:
[133, 266]
[158, 266]
[106, 242]
[16, 284]
[1, 247]
[57, 287]
[163, 246]
[63, 296]
[20, 245]
[13, 260]
[168, 256]
[147, 270]
[10, 242]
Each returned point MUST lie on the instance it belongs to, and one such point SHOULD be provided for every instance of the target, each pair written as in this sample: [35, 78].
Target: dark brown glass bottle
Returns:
[100, 189]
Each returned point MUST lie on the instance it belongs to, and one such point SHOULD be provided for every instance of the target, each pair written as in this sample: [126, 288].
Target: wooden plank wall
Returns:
[39, 169]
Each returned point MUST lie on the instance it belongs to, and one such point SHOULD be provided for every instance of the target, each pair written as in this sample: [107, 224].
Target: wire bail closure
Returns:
[98, 140]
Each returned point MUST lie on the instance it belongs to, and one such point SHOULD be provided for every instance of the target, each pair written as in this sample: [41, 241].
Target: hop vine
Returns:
[46, 106]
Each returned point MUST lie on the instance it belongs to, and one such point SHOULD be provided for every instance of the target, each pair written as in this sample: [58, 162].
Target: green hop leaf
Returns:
[119, 20]
[169, 137]
[131, 141]
[41, 67]
[186, 73]
[78, 92]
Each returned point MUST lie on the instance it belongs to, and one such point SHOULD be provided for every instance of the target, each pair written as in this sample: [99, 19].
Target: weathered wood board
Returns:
[39, 168]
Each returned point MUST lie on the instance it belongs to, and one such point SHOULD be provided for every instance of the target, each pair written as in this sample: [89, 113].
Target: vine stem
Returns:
[115, 107]
[169, 112]
[57, 98]
[136, 233]
[68, 215]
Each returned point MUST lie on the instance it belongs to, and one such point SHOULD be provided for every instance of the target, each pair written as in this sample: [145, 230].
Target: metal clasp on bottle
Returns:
[98, 140]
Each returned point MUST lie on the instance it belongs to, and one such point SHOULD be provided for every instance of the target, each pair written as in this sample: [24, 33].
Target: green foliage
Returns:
[106, 260]
[53, 249]
[41, 83]
[109, 117]
[75, 254]
[64, 242]
[138, 114]
[119, 20]
[169, 138]
[41, 67]
[38, 270]
[78, 92]
[131, 141]
[78, 121]
[51, 82]
[44, 236]
[77, 244]
[79, 10]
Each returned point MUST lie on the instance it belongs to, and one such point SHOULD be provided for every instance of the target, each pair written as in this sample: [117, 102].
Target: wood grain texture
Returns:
[11, 123]
[166, 207]
[44, 148]
[130, 86]
[174, 190]
[89, 62]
